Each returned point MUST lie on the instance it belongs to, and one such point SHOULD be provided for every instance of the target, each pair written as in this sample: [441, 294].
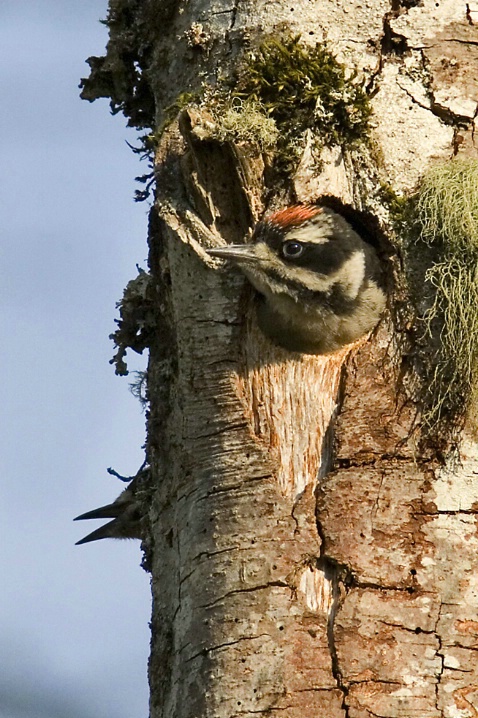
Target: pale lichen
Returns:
[441, 220]
[245, 121]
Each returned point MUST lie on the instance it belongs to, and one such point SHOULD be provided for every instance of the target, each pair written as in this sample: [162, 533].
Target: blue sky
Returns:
[74, 631]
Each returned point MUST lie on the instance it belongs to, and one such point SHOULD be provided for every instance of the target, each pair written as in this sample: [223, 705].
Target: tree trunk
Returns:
[308, 555]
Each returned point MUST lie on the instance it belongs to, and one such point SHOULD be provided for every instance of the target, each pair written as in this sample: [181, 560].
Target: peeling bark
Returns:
[308, 555]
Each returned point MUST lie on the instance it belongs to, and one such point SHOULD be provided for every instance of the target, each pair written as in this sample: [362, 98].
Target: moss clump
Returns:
[444, 217]
[398, 207]
[303, 87]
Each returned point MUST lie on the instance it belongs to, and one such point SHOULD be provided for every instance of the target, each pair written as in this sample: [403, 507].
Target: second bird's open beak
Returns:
[239, 252]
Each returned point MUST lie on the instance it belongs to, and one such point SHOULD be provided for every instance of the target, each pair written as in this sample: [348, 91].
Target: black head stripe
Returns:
[324, 258]
[269, 233]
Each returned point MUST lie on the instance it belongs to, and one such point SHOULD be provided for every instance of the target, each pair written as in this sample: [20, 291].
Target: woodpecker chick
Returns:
[319, 282]
[126, 512]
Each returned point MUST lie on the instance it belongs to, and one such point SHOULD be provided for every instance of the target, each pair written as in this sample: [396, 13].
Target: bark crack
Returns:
[441, 656]
[391, 42]
[466, 648]
[331, 571]
[218, 432]
[207, 651]
[468, 15]
[210, 554]
[414, 99]
[473, 125]
[346, 463]
[251, 589]
[443, 113]
[234, 10]
[208, 494]
[377, 681]
[234, 487]
[356, 583]
[416, 630]
[336, 671]
[453, 512]
[461, 42]
[376, 502]
[266, 711]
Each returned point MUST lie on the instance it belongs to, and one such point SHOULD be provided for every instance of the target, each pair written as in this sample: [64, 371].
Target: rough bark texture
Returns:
[307, 558]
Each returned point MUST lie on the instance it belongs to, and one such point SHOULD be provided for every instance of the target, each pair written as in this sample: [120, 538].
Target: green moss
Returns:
[442, 217]
[304, 88]
[397, 205]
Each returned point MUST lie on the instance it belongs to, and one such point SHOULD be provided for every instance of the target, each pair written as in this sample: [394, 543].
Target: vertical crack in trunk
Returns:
[441, 656]
[331, 572]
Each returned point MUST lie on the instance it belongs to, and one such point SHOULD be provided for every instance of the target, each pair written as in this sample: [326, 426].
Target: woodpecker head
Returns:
[126, 512]
[318, 280]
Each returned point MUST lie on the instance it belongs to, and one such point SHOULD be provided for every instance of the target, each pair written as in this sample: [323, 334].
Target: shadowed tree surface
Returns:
[312, 551]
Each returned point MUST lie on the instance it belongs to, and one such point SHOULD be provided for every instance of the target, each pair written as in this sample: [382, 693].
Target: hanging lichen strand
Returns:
[445, 216]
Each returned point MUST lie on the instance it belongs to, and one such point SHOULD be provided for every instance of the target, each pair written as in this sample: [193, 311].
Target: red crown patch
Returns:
[295, 215]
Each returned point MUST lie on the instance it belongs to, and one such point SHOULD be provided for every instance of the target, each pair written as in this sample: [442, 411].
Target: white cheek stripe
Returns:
[350, 276]
[303, 234]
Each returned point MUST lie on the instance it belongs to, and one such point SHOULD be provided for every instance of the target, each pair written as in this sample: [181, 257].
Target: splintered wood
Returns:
[290, 402]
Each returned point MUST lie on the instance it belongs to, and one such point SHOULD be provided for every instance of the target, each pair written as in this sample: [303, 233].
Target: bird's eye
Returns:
[292, 249]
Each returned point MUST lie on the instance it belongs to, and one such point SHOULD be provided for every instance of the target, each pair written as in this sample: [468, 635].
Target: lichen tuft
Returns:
[447, 206]
[442, 217]
[245, 121]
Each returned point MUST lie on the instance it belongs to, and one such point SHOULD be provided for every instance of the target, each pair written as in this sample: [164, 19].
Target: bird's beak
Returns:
[106, 531]
[104, 512]
[238, 252]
